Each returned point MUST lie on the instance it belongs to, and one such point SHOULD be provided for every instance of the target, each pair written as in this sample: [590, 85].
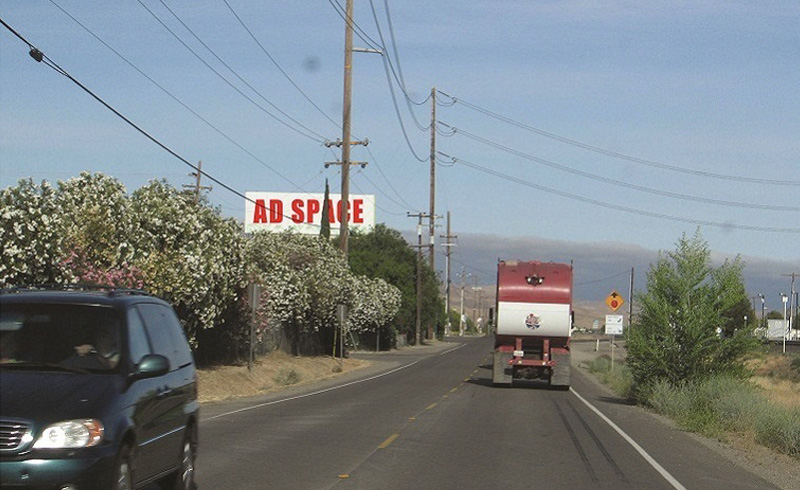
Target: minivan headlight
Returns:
[71, 434]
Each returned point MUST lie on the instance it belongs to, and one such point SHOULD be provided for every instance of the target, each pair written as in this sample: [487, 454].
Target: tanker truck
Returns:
[533, 323]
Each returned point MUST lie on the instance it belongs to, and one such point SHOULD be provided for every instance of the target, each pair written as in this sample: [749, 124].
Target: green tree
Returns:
[383, 253]
[775, 315]
[686, 329]
[325, 226]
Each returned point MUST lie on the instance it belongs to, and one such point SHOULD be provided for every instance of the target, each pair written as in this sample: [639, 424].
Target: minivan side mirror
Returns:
[151, 366]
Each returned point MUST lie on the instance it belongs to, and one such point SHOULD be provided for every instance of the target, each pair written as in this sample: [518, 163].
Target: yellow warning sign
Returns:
[614, 300]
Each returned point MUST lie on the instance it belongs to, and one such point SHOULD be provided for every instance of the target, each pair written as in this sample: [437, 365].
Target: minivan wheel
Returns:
[123, 476]
[183, 478]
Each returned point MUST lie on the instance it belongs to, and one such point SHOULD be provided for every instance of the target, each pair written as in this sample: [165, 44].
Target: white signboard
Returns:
[613, 324]
[302, 213]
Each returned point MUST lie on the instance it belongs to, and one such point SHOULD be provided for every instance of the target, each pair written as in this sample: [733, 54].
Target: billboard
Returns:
[302, 212]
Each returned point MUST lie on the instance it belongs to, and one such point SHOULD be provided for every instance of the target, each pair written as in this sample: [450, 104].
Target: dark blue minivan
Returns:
[98, 390]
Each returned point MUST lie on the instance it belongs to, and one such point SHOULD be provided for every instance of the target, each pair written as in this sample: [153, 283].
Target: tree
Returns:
[190, 256]
[325, 227]
[775, 315]
[383, 253]
[31, 232]
[686, 329]
[97, 225]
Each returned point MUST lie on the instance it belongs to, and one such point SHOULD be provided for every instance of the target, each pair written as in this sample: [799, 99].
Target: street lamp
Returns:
[763, 309]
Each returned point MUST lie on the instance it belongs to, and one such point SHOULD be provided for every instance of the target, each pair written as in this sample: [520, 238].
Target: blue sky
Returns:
[707, 86]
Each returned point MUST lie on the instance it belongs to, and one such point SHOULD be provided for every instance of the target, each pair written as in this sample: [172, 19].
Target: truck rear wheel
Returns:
[502, 373]
[560, 376]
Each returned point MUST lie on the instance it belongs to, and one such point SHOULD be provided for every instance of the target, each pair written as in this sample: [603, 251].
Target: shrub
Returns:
[686, 329]
[723, 404]
[286, 377]
[619, 380]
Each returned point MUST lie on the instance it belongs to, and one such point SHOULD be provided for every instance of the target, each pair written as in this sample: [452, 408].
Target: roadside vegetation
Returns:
[691, 358]
[172, 243]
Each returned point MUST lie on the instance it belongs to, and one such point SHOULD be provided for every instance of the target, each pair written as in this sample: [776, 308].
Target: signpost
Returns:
[614, 322]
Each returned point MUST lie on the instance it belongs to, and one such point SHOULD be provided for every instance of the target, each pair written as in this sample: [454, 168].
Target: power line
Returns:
[399, 80]
[388, 181]
[278, 66]
[356, 28]
[397, 111]
[355, 184]
[236, 74]
[39, 56]
[319, 138]
[616, 154]
[176, 99]
[615, 206]
[607, 180]
[398, 74]
[595, 281]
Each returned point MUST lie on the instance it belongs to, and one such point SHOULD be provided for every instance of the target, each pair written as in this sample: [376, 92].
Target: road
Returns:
[435, 422]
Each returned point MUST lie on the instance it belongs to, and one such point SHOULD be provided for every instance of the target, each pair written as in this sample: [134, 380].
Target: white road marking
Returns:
[666, 474]
[451, 350]
[337, 387]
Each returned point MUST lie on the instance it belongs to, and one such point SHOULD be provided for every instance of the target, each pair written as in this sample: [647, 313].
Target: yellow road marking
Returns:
[431, 406]
[388, 441]
[343, 477]
[454, 389]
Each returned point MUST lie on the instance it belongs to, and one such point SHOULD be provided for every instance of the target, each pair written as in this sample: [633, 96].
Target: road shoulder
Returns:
[773, 469]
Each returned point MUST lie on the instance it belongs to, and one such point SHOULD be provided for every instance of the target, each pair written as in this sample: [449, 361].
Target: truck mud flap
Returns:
[502, 372]
[559, 378]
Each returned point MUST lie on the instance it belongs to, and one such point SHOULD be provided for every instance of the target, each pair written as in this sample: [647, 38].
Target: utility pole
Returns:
[419, 247]
[348, 90]
[475, 309]
[345, 143]
[792, 301]
[447, 244]
[630, 302]
[461, 315]
[196, 187]
[432, 256]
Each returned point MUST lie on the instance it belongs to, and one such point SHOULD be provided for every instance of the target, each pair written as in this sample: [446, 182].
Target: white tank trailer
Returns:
[534, 323]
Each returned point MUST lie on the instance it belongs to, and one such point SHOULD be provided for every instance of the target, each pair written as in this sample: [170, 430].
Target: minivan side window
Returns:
[166, 334]
[138, 343]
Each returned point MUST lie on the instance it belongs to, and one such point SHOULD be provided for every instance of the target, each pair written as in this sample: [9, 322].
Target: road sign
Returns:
[614, 301]
[613, 324]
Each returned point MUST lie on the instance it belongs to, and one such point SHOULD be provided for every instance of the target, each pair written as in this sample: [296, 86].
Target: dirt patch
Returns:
[270, 373]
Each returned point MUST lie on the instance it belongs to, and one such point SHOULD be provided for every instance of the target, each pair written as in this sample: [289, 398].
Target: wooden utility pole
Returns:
[792, 306]
[431, 232]
[196, 187]
[630, 302]
[419, 247]
[348, 89]
[461, 314]
[447, 244]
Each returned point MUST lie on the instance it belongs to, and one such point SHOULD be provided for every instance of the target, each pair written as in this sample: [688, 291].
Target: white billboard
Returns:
[302, 212]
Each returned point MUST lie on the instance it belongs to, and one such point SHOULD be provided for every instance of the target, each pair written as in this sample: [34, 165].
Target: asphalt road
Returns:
[434, 421]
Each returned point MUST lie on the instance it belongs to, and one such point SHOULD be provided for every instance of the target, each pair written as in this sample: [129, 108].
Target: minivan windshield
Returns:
[83, 337]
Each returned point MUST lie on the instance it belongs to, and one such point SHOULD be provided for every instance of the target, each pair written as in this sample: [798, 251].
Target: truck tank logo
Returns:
[533, 322]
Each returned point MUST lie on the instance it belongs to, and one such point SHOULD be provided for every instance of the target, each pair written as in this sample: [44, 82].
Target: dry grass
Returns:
[780, 380]
[270, 373]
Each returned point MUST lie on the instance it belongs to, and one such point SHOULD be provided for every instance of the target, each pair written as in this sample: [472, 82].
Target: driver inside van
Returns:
[105, 348]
